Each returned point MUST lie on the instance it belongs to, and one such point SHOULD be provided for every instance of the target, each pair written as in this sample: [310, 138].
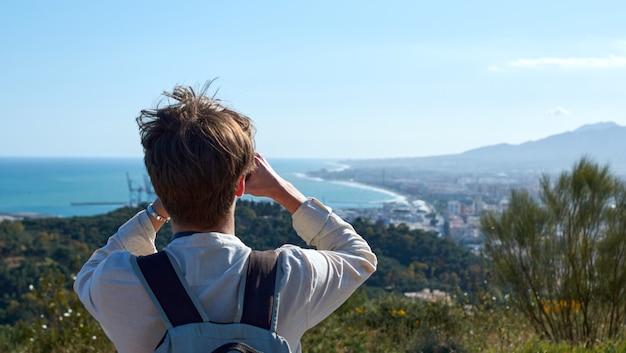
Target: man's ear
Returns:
[241, 186]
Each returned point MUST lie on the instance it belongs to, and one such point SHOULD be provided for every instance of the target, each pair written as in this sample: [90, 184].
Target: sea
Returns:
[67, 187]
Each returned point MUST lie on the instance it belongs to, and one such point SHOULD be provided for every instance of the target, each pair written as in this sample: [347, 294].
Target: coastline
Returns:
[65, 187]
[397, 197]
[321, 176]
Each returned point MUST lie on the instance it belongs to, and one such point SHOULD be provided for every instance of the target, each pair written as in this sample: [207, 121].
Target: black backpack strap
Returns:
[171, 297]
[259, 297]
[167, 290]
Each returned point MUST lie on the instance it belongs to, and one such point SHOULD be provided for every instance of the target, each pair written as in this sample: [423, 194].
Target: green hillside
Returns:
[410, 260]
[40, 313]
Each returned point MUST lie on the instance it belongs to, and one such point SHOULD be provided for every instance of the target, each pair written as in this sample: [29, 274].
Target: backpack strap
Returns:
[260, 301]
[168, 289]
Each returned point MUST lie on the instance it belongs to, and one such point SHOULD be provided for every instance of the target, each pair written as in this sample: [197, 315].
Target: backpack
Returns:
[189, 329]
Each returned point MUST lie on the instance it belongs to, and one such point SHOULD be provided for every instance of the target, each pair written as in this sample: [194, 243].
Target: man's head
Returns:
[196, 151]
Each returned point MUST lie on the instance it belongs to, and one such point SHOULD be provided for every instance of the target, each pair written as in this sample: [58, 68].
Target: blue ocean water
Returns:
[88, 186]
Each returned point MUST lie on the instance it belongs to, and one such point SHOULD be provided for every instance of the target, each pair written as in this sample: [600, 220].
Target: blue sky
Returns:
[323, 79]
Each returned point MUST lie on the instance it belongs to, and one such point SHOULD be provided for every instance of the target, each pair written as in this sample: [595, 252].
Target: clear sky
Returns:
[321, 79]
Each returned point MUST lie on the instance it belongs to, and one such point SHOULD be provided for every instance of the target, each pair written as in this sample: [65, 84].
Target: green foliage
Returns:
[47, 316]
[30, 248]
[409, 259]
[385, 324]
[264, 225]
[61, 325]
[412, 259]
[564, 258]
[394, 323]
[39, 257]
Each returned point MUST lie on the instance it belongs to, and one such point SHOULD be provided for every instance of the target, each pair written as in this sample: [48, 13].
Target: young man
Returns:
[200, 158]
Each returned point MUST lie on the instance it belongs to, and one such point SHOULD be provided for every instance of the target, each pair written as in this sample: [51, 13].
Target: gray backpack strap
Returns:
[260, 299]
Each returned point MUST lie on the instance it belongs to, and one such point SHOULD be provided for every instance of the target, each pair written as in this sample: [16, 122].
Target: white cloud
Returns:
[574, 63]
[558, 111]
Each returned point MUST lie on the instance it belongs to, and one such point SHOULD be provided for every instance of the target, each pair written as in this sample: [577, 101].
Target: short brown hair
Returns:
[195, 151]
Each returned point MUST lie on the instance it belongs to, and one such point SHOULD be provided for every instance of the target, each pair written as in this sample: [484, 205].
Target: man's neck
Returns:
[225, 227]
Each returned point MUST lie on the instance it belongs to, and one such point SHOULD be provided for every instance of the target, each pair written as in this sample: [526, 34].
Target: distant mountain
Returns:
[604, 142]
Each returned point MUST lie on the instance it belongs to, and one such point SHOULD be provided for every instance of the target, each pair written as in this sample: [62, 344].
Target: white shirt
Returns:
[314, 282]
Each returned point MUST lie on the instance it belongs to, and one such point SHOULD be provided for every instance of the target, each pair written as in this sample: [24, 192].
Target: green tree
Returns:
[563, 256]
[61, 326]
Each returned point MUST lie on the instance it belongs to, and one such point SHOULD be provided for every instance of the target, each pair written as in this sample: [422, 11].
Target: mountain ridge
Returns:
[603, 142]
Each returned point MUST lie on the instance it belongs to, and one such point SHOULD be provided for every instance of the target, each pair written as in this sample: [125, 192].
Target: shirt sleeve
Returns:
[137, 236]
[317, 281]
